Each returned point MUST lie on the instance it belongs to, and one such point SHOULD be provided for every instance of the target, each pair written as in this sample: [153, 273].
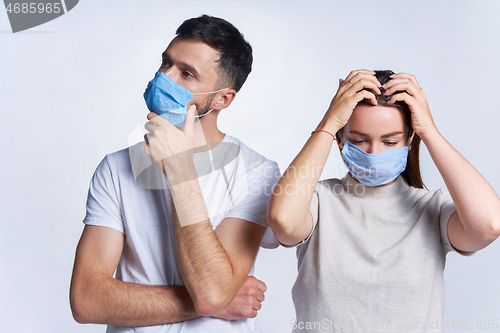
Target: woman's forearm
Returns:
[288, 209]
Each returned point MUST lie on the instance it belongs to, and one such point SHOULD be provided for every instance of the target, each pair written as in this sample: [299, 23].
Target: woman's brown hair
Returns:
[412, 172]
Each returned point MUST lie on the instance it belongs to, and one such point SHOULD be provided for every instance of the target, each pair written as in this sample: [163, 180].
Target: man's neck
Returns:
[206, 133]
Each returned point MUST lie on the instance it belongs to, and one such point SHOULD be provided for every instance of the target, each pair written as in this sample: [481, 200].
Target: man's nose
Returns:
[172, 73]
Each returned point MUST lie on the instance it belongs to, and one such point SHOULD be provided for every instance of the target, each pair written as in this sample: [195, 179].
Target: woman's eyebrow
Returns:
[383, 136]
[391, 134]
[358, 133]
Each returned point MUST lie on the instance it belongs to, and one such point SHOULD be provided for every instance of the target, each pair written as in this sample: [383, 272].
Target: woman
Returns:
[372, 245]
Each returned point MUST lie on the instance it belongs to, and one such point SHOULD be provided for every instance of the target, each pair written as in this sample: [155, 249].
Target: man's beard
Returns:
[205, 108]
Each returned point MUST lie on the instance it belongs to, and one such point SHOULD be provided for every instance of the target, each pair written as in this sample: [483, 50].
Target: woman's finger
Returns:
[355, 76]
[366, 77]
[361, 95]
[364, 83]
[402, 97]
[396, 81]
[358, 71]
[404, 85]
[410, 77]
[370, 96]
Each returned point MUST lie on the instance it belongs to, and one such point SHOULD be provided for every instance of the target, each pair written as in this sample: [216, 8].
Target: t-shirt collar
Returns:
[353, 187]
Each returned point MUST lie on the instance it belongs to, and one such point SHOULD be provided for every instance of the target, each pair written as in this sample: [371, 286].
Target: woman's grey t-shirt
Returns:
[375, 259]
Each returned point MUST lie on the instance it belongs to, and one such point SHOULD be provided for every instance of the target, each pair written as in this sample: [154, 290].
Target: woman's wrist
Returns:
[329, 126]
[429, 136]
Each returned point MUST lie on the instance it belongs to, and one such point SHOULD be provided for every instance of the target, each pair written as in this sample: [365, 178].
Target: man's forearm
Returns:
[106, 300]
[205, 266]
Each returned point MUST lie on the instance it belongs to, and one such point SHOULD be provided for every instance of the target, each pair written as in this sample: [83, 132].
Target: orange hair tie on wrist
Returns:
[333, 136]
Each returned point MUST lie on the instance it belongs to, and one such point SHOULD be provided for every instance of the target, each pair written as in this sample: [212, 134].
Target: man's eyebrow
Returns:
[190, 68]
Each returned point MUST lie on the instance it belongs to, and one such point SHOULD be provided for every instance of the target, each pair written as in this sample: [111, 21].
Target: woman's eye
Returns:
[357, 141]
[391, 143]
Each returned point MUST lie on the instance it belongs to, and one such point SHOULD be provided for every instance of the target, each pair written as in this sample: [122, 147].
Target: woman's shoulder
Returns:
[425, 196]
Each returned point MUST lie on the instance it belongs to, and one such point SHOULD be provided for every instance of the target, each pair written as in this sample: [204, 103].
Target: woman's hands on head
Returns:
[411, 94]
[403, 87]
[351, 91]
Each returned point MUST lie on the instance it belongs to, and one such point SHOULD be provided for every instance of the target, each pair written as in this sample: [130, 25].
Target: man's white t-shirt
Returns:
[129, 194]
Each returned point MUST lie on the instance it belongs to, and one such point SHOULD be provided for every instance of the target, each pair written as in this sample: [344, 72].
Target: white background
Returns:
[71, 91]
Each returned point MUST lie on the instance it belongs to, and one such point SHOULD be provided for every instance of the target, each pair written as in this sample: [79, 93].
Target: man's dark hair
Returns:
[235, 61]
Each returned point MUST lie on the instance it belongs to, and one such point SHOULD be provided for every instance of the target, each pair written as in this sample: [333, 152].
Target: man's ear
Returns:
[224, 99]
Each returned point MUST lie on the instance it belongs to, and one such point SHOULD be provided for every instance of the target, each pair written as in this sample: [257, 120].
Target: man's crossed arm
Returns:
[97, 297]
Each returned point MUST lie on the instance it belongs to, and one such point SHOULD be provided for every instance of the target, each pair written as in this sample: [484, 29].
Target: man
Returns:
[182, 248]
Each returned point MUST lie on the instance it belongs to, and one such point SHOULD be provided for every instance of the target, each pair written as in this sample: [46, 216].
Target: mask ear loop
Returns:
[203, 115]
[206, 93]
[210, 92]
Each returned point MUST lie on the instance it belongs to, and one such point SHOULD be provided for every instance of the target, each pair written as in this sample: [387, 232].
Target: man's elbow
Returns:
[83, 312]
[210, 304]
[79, 313]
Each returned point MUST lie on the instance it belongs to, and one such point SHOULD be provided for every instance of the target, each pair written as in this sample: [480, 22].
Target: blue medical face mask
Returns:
[169, 99]
[374, 169]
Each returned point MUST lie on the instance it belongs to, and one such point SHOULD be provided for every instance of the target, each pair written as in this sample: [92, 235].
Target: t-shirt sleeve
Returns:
[103, 206]
[446, 211]
[260, 182]
[314, 209]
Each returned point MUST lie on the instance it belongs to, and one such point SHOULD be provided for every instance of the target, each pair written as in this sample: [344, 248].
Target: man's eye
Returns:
[165, 63]
[187, 74]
